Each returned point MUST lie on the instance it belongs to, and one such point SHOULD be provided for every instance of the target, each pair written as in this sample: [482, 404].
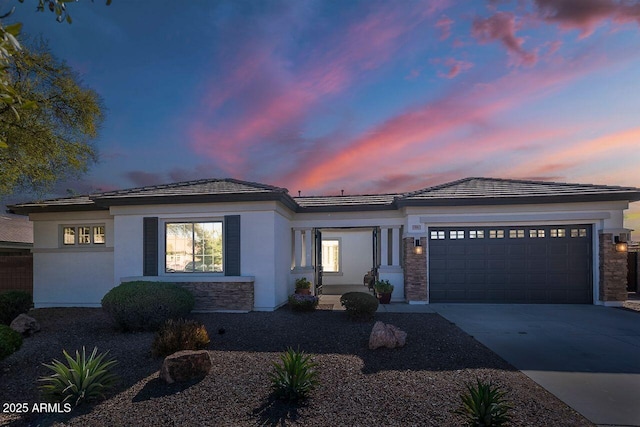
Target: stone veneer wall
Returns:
[613, 271]
[415, 270]
[213, 296]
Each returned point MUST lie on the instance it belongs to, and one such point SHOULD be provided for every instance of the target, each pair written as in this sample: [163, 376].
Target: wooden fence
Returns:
[16, 273]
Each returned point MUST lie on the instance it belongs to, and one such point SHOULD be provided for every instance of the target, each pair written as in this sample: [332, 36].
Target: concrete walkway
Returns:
[588, 356]
[395, 307]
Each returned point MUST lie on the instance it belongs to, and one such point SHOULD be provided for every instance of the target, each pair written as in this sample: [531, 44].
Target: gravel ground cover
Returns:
[417, 385]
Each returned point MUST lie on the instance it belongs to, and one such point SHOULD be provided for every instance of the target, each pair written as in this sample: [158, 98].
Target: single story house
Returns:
[241, 245]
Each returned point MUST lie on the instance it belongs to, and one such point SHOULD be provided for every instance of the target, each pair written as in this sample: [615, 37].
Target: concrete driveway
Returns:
[588, 356]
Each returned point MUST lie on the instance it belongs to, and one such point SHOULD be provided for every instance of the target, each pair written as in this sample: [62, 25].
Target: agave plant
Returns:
[84, 379]
[484, 405]
[295, 377]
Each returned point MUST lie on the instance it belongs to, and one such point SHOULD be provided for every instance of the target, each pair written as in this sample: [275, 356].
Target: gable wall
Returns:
[70, 276]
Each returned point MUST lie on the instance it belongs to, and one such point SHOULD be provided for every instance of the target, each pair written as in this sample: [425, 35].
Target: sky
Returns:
[361, 96]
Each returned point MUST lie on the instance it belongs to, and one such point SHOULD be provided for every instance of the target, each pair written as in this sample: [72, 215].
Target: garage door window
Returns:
[578, 232]
[496, 234]
[476, 234]
[536, 234]
[558, 232]
[456, 234]
[516, 234]
[437, 235]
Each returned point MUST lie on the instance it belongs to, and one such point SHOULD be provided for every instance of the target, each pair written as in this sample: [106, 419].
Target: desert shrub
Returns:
[295, 377]
[484, 405]
[299, 302]
[82, 380]
[10, 341]
[146, 305]
[181, 334]
[359, 305]
[12, 304]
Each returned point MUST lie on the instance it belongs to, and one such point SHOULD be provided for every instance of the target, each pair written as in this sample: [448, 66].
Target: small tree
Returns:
[53, 140]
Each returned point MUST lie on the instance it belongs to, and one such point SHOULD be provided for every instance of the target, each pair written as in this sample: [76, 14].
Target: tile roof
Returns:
[15, 229]
[354, 202]
[512, 190]
[193, 188]
[199, 191]
[462, 192]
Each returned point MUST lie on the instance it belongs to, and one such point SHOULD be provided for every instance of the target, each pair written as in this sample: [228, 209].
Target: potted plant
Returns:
[303, 286]
[383, 291]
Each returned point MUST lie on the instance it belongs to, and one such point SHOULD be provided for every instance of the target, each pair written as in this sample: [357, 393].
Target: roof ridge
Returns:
[435, 187]
[350, 195]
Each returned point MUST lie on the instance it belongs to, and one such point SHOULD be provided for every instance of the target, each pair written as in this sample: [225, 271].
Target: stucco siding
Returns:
[71, 276]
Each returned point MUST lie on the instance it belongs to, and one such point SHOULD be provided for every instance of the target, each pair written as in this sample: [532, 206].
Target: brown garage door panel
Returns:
[536, 264]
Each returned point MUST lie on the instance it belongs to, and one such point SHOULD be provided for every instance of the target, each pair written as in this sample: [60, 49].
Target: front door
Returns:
[318, 262]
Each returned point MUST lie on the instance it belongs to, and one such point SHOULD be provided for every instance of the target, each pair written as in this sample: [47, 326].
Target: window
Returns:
[578, 232]
[83, 235]
[476, 234]
[558, 232]
[456, 234]
[437, 235]
[496, 234]
[331, 256]
[516, 234]
[98, 234]
[536, 233]
[193, 247]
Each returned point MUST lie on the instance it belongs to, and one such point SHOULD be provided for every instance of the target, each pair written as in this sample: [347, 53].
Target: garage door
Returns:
[535, 264]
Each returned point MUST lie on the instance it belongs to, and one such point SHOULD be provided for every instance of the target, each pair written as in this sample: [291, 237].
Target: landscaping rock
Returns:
[25, 325]
[386, 336]
[185, 365]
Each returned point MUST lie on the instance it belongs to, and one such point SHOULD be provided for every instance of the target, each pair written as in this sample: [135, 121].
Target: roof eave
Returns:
[520, 200]
[282, 197]
[26, 210]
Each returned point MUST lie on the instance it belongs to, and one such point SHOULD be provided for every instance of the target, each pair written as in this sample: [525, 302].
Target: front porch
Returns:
[336, 259]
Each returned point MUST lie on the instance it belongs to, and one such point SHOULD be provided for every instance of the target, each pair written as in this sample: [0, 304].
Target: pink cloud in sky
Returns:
[281, 98]
[502, 26]
[431, 128]
[586, 15]
[455, 67]
[444, 25]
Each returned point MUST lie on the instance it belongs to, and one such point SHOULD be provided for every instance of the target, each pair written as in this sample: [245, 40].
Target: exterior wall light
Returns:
[417, 247]
[621, 246]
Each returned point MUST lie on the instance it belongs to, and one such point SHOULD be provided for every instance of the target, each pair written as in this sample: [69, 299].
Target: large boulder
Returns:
[25, 325]
[185, 365]
[388, 336]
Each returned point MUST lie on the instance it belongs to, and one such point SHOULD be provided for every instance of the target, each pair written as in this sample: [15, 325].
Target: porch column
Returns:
[307, 248]
[297, 248]
[384, 247]
[395, 247]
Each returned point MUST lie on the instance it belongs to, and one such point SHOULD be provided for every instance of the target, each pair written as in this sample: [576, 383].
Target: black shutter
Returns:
[232, 245]
[150, 246]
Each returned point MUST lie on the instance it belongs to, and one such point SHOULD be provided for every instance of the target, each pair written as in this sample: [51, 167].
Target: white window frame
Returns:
[163, 253]
[76, 236]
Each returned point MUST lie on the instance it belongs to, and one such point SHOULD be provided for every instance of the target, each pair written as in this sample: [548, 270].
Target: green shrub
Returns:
[10, 341]
[484, 405]
[142, 305]
[12, 304]
[84, 379]
[299, 302]
[181, 334]
[303, 283]
[359, 304]
[295, 377]
[383, 287]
